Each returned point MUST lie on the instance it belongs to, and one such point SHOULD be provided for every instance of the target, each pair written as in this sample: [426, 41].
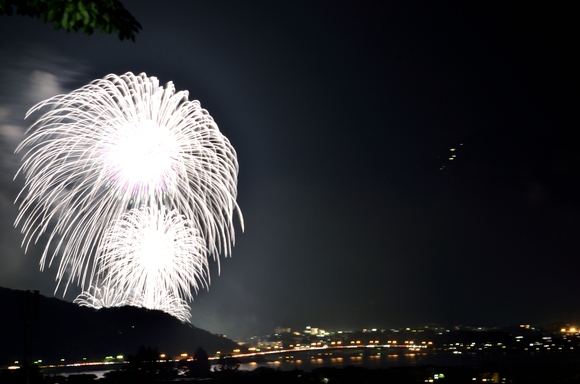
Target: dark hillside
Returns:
[66, 331]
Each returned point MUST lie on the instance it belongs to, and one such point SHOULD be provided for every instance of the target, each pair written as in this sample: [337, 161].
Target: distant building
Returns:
[280, 330]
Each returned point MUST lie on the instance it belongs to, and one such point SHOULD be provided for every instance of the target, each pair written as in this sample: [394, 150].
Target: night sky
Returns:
[344, 116]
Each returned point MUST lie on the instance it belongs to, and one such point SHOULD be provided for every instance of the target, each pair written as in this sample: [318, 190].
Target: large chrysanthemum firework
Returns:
[151, 253]
[118, 144]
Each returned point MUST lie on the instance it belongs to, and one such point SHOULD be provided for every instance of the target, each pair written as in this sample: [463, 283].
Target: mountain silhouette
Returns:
[63, 330]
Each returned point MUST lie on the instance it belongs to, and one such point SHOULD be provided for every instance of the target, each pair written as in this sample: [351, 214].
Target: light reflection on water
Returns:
[100, 374]
[334, 359]
[308, 361]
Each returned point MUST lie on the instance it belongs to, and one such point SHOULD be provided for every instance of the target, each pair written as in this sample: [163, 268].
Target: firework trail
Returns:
[120, 144]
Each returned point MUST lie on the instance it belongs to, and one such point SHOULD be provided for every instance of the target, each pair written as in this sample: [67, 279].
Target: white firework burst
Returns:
[121, 143]
[152, 253]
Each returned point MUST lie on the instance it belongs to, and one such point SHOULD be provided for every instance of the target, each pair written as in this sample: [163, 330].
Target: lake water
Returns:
[307, 361]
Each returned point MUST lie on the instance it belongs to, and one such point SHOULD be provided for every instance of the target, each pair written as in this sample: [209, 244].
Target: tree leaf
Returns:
[64, 20]
[108, 16]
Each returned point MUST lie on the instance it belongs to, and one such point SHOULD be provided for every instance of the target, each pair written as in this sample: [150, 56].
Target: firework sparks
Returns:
[106, 297]
[102, 297]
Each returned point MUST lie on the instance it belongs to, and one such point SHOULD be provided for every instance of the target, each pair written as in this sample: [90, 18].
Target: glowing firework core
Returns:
[155, 251]
[140, 159]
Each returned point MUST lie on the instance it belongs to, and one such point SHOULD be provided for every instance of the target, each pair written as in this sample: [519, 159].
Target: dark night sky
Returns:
[343, 114]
